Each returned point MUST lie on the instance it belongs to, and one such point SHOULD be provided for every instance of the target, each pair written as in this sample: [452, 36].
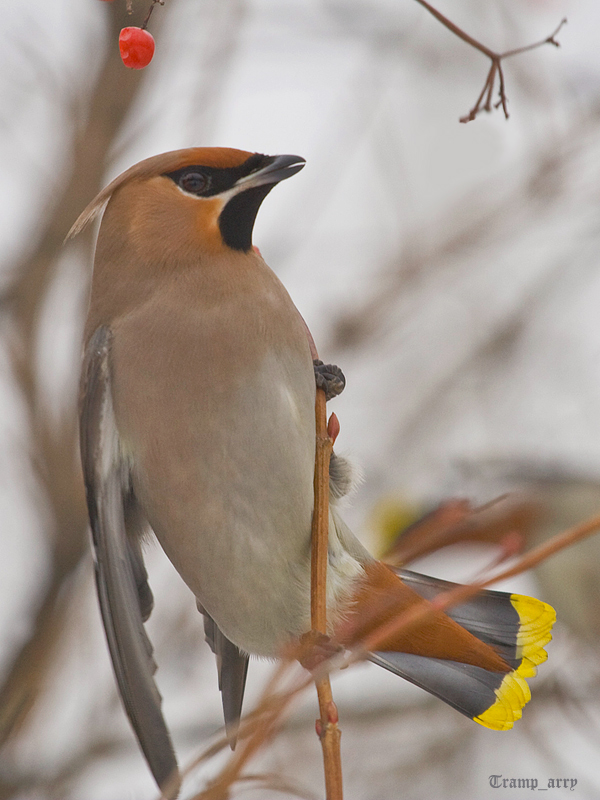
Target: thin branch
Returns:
[327, 726]
[274, 783]
[320, 522]
[548, 40]
[496, 70]
[447, 23]
[496, 62]
[418, 614]
[549, 548]
[144, 24]
[256, 729]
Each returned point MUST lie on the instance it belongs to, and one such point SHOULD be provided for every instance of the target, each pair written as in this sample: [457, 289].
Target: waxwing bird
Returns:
[197, 422]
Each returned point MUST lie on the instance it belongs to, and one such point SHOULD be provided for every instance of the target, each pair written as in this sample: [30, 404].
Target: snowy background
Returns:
[451, 270]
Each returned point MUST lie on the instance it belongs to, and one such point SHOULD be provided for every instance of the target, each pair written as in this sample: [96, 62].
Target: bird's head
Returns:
[204, 197]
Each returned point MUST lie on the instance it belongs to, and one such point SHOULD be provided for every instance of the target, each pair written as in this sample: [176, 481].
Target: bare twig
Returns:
[417, 614]
[255, 731]
[549, 548]
[274, 783]
[327, 726]
[485, 99]
[144, 24]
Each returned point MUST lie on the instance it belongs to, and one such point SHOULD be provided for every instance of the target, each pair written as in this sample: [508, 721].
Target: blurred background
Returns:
[451, 271]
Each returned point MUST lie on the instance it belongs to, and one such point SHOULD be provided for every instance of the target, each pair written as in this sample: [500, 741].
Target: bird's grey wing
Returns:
[120, 573]
[232, 666]
[135, 524]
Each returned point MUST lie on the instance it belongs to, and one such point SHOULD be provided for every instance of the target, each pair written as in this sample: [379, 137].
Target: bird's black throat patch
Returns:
[237, 218]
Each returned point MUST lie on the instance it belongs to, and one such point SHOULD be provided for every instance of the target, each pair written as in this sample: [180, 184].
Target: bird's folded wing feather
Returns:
[119, 570]
[232, 666]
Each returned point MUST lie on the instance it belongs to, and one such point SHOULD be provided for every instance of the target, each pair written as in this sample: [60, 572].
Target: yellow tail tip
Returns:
[536, 621]
[512, 695]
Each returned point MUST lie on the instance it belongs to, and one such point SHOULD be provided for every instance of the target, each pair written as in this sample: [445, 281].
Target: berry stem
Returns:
[150, 10]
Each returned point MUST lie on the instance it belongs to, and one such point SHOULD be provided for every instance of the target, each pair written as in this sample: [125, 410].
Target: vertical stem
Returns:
[327, 727]
[320, 522]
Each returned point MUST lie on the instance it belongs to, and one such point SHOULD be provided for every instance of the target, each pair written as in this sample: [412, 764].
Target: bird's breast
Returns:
[215, 410]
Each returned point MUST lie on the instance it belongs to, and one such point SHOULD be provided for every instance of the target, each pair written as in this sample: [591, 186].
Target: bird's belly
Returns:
[247, 563]
[231, 501]
[257, 592]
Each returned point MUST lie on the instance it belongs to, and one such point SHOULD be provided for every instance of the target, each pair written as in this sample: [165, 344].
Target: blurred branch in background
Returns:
[481, 220]
[53, 444]
[425, 320]
[100, 125]
[483, 269]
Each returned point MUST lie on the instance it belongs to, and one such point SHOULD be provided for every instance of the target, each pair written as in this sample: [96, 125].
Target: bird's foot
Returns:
[330, 378]
[315, 648]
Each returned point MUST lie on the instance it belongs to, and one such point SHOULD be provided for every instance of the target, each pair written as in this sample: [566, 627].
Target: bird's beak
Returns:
[280, 168]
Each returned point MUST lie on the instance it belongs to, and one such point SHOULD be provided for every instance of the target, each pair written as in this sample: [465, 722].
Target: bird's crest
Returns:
[157, 165]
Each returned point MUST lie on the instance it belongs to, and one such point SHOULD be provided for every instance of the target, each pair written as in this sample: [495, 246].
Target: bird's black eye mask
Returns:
[209, 181]
[236, 220]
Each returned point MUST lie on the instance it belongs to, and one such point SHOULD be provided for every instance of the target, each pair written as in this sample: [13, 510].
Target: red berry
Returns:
[137, 47]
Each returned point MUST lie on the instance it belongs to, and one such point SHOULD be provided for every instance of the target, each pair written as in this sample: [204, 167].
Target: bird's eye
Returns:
[193, 182]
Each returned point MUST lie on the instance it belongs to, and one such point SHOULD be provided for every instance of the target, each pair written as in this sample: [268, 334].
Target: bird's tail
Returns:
[476, 656]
